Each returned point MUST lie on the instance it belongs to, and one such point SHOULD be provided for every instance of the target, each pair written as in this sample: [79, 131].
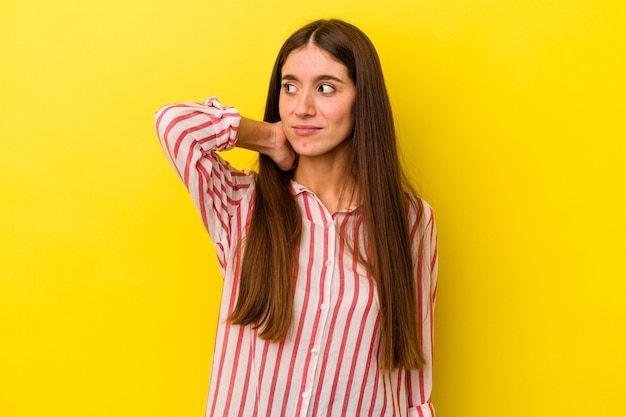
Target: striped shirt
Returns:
[328, 365]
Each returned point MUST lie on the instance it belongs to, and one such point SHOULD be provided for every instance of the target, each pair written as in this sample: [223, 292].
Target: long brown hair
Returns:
[267, 273]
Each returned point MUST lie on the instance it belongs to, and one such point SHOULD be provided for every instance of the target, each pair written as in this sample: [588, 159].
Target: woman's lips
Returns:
[306, 130]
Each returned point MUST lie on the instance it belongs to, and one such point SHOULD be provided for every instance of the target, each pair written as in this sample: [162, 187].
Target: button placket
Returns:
[324, 297]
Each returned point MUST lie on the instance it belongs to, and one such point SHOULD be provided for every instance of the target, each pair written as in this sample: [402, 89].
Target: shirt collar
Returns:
[297, 189]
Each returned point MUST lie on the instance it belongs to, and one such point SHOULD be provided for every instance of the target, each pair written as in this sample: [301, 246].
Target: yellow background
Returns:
[511, 115]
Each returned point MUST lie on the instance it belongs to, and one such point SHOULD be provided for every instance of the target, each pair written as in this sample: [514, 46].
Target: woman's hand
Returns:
[282, 153]
[268, 139]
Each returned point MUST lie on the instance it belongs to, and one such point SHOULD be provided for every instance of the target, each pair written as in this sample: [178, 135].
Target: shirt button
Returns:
[329, 263]
[314, 351]
[323, 307]
[305, 394]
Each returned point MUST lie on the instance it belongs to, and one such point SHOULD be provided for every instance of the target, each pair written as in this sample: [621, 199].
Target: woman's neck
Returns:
[331, 181]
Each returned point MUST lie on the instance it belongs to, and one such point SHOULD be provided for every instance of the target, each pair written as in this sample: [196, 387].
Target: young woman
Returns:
[329, 258]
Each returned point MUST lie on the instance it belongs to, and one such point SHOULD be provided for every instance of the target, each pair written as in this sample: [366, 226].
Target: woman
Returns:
[328, 257]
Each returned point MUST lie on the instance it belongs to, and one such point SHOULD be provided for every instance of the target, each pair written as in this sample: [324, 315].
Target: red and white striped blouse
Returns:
[328, 364]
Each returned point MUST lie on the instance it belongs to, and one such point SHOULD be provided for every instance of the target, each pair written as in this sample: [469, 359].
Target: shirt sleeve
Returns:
[191, 134]
[425, 244]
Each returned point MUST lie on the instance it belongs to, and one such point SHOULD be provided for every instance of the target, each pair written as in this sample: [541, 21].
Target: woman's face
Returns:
[316, 102]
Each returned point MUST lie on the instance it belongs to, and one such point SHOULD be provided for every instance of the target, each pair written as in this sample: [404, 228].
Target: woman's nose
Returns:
[305, 107]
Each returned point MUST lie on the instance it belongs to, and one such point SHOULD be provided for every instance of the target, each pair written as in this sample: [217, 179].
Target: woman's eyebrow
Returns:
[322, 77]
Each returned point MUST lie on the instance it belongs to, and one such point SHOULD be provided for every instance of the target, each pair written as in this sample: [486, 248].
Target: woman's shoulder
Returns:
[420, 211]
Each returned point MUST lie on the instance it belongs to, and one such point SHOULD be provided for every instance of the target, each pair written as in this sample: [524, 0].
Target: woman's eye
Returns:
[326, 88]
[289, 88]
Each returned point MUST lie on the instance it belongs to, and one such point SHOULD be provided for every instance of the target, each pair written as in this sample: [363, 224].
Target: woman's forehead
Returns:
[313, 60]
